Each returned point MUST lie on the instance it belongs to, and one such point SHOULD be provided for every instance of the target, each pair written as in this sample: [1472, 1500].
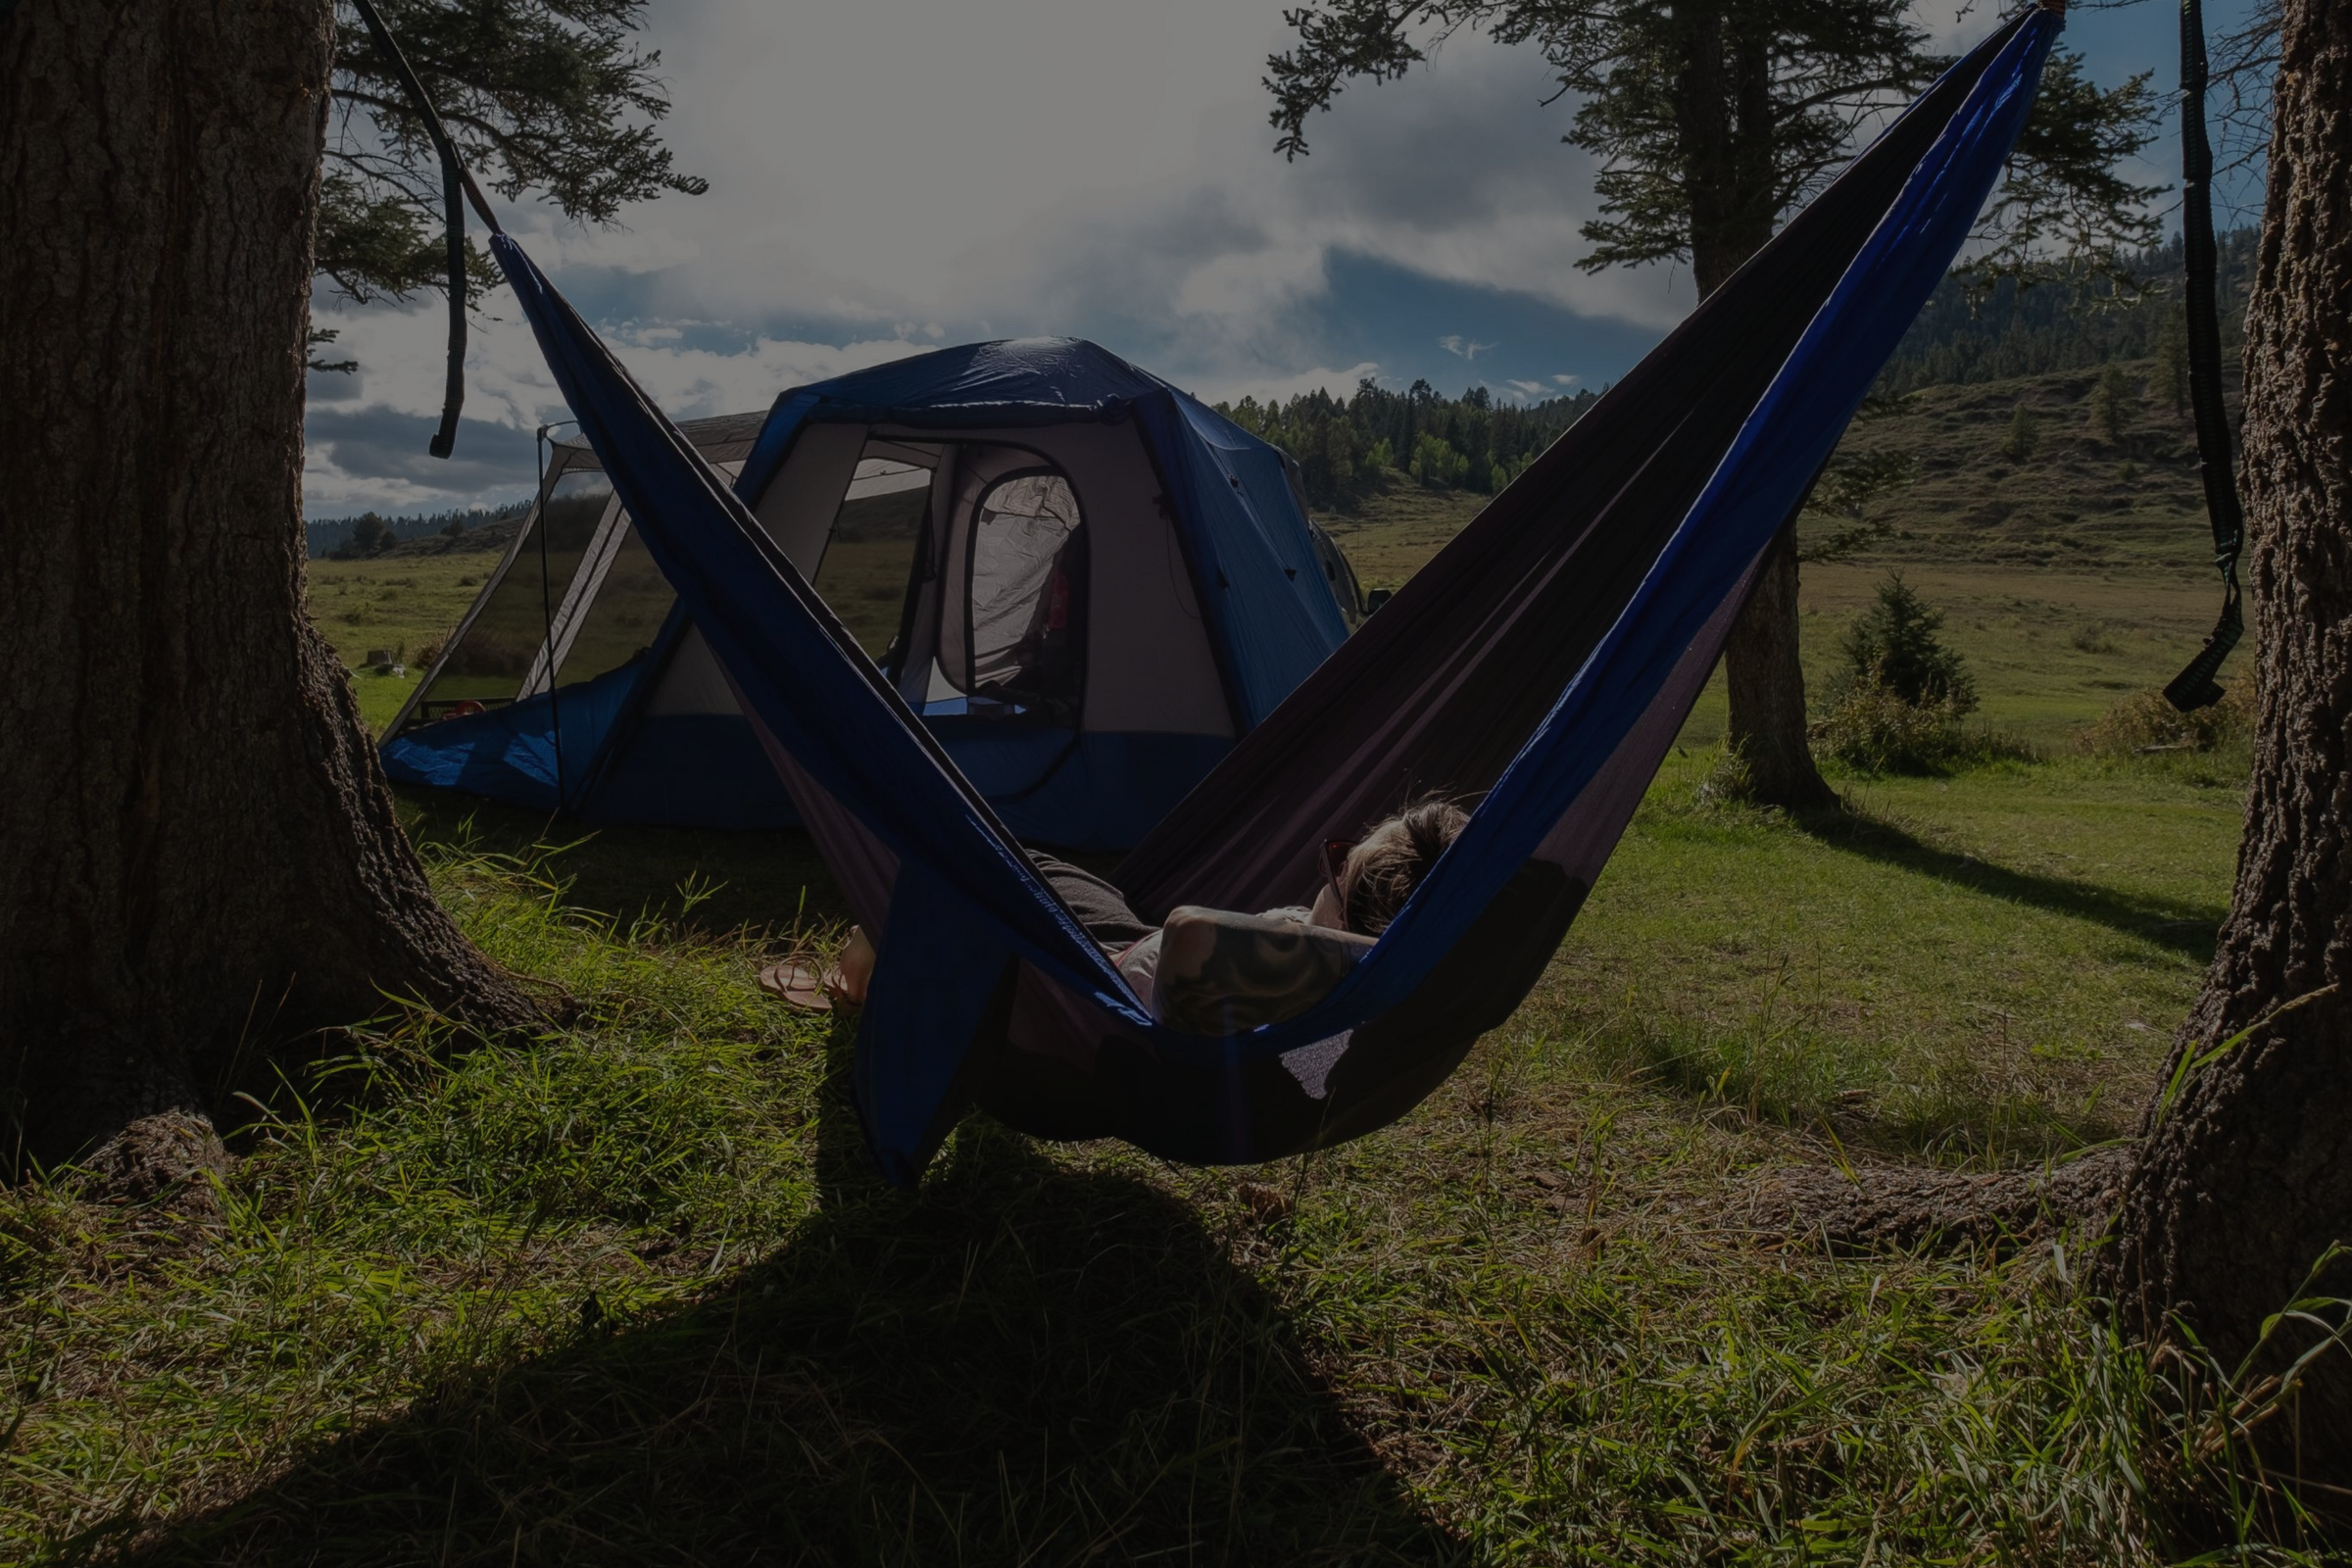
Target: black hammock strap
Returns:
[2195, 687]
[456, 189]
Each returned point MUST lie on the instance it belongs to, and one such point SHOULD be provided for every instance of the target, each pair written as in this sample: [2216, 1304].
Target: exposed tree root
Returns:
[152, 1156]
[1904, 1207]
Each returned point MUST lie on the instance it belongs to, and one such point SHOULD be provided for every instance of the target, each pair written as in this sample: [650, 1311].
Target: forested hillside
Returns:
[1961, 336]
[1346, 447]
[1376, 441]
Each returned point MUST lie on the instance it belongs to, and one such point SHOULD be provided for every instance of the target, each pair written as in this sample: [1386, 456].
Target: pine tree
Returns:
[547, 98]
[2239, 1186]
[1893, 646]
[2112, 403]
[2171, 358]
[2022, 436]
[1711, 121]
[239, 880]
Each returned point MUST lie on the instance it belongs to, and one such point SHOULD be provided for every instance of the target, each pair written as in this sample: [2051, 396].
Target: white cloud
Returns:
[890, 175]
[508, 387]
[1461, 347]
[1565, 380]
[1283, 388]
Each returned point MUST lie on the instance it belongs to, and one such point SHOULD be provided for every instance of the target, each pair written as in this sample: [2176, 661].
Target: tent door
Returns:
[1012, 601]
[564, 624]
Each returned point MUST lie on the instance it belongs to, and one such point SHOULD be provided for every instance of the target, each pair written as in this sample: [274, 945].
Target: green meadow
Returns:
[627, 1293]
[399, 604]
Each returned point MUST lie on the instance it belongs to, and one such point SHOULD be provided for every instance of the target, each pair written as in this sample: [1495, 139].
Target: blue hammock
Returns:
[1547, 657]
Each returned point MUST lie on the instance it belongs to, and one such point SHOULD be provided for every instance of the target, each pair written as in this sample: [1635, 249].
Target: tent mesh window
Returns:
[868, 569]
[1024, 596]
[501, 648]
[622, 619]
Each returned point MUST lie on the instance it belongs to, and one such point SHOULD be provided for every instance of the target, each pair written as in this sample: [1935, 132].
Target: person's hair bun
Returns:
[1383, 870]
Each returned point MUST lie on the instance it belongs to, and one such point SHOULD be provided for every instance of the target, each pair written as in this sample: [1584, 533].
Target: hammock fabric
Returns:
[1544, 660]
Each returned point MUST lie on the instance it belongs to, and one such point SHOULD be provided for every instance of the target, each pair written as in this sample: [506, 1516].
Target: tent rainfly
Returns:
[1088, 583]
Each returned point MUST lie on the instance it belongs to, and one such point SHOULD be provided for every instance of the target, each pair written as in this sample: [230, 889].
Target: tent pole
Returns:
[547, 615]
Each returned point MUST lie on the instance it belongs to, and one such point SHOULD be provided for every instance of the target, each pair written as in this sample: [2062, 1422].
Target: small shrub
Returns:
[2145, 723]
[1871, 729]
[2094, 639]
[1892, 647]
[1729, 780]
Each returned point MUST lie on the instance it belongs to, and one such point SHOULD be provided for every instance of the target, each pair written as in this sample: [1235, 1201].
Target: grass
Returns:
[1986, 965]
[2078, 502]
[396, 603]
[624, 1292]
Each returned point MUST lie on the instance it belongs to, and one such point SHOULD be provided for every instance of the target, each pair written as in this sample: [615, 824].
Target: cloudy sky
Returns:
[896, 175]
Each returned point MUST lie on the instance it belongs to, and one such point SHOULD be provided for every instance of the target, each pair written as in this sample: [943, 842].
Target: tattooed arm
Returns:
[1221, 972]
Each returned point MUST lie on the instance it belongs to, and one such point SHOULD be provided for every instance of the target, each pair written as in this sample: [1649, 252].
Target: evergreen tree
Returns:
[2022, 436]
[1711, 121]
[1343, 447]
[544, 98]
[1893, 646]
[2240, 1195]
[2172, 359]
[2112, 402]
[169, 156]
[1966, 333]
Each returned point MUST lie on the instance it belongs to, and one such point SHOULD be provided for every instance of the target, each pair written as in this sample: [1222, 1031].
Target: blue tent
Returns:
[1086, 582]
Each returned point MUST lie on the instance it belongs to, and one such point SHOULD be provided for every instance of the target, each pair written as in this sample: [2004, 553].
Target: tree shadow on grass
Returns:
[1023, 1363]
[2182, 925]
[765, 880]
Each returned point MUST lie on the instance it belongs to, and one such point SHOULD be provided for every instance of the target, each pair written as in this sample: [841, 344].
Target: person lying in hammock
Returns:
[1217, 971]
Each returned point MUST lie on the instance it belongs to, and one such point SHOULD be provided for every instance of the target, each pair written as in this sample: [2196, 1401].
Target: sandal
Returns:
[802, 985]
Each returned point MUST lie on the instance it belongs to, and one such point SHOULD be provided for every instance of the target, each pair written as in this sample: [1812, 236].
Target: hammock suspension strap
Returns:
[456, 189]
[2195, 687]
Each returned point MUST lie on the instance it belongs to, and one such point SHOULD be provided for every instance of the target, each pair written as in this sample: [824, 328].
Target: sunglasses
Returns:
[1335, 861]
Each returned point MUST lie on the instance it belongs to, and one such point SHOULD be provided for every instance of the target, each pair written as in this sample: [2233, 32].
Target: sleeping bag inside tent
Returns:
[1087, 583]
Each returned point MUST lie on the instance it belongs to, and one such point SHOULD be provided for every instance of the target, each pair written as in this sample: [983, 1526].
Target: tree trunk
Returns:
[1767, 682]
[1724, 119]
[198, 858]
[2242, 1181]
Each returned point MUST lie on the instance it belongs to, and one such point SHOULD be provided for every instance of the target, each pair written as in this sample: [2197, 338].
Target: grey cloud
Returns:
[377, 458]
[994, 166]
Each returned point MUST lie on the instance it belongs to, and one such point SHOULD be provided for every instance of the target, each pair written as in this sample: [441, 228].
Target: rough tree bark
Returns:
[1723, 102]
[1766, 683]
[2242, 1181]
[198, 856]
